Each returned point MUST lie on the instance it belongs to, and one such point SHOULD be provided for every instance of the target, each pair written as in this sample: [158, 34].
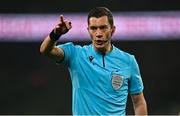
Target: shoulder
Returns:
[87, 47]
[123, 54]
[68, 45]
[75, 47]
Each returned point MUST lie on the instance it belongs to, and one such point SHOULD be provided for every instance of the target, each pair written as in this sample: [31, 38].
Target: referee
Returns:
[102, 75]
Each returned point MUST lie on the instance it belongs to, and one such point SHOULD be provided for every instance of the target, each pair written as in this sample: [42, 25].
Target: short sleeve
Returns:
[136, 83]
[69, 52]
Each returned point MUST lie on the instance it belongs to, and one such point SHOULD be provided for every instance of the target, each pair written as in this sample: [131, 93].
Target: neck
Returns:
[105, 50]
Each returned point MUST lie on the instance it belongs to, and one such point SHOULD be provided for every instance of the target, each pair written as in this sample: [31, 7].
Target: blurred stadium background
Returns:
[33, 84]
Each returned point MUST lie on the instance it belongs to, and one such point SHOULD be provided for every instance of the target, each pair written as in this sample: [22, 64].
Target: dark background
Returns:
[59, 6]
[33, 84]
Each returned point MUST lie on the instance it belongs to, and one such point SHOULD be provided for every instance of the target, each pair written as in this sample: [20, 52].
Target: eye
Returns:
[93, 28]
[103, 27]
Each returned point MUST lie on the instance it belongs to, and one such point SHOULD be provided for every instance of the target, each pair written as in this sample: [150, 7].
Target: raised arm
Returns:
[48, 46]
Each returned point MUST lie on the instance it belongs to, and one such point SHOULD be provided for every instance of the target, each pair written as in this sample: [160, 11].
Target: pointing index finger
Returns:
[62, 19]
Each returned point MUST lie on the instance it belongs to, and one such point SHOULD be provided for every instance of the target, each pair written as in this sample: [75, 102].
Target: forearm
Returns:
[139, 103]
[140, 108]
[47, 46]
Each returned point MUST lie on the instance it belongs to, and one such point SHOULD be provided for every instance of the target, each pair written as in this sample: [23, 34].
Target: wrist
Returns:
[53, 36]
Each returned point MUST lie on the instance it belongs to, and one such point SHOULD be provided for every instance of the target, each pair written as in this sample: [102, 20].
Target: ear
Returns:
[88, 29]
[113, 30]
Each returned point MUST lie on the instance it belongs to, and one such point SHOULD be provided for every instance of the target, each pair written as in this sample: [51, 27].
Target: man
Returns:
[101, 74]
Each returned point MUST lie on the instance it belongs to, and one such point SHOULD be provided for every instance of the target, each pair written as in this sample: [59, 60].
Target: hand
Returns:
[62, 27]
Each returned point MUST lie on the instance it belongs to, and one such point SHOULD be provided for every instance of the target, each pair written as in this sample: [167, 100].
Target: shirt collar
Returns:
[99, 53]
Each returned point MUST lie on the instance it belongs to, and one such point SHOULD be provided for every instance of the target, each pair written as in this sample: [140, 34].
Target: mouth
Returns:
[99, 42]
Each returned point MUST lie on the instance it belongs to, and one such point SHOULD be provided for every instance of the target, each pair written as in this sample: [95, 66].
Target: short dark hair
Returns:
[99, 12]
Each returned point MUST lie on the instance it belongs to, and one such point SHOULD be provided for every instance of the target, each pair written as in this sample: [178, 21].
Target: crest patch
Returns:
[117, 81]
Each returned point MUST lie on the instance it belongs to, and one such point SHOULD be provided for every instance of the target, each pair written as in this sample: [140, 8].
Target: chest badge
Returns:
[117, 81]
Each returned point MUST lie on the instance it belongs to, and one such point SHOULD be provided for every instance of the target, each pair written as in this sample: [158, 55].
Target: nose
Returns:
[99, 33]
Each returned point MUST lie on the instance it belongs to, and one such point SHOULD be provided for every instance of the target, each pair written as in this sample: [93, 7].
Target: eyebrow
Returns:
[101, 26]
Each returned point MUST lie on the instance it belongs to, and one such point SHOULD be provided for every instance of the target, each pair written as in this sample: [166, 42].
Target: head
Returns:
[101, 28]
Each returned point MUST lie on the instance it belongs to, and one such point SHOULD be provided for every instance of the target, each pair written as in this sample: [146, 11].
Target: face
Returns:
[101, 31]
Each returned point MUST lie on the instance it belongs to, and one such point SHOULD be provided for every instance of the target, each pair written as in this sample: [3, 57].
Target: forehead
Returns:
[99, 21]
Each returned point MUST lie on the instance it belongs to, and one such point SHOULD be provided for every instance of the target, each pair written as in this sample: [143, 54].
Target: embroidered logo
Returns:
[91, 58]
[117, 81]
